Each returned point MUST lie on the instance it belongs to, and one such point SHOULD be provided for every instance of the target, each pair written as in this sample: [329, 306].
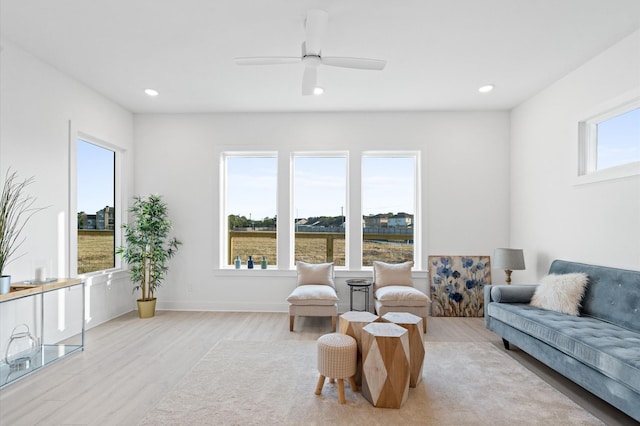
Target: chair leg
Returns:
[320, 385]
[333, 323]
[352, 382]
[341, 391]
[424, 325]
[291, 319]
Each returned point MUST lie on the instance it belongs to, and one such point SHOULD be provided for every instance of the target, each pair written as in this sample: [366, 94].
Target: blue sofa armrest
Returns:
[506, 294]
[512, 293]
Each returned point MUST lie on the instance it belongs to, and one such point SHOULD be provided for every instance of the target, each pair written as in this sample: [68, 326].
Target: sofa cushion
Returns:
[561, 293]
[315, 273]
[611, 349]
[385, 274]
[400, 295]
[311, 294]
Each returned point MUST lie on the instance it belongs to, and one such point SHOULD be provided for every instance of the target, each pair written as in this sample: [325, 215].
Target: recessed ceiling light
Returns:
[151, 92]
[318, 90]
[486, 88]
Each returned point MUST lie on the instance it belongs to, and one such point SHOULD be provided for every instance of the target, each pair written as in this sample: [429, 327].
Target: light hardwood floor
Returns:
[129, 364]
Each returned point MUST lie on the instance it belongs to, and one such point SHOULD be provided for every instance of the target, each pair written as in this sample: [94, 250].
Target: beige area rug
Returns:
[265, 383]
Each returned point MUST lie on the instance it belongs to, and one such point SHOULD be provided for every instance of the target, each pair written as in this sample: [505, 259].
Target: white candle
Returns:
[41, 274]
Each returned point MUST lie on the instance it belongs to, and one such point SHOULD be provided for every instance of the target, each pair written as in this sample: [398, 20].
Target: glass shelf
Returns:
[30, 362]
[45, 353]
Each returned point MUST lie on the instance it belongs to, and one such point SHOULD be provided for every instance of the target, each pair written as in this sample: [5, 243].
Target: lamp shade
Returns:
[505, 258]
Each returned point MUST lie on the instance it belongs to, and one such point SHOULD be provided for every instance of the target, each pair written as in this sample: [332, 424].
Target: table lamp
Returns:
[509, 260]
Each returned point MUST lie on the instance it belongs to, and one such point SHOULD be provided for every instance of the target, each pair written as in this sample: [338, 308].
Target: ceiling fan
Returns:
[315, 29]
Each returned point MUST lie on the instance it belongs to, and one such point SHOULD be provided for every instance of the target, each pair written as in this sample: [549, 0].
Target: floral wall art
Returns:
[457, 285]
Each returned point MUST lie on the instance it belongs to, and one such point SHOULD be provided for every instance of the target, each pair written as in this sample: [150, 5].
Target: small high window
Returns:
[610, 143]
[618, 140]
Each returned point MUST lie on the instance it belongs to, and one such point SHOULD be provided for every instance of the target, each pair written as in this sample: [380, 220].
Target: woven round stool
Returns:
[337, 360]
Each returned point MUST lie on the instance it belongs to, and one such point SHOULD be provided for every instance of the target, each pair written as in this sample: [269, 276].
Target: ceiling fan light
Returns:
[318, 90]
[486, 88]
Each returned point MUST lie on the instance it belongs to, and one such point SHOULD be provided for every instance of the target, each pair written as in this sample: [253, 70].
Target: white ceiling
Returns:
[438, 51]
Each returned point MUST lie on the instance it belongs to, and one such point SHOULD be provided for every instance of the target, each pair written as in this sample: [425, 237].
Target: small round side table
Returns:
[360, 285]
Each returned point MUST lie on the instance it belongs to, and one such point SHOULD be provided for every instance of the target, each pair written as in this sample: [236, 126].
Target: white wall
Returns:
[551, 217]
[464, 188]
[489, 179]
[37, 103]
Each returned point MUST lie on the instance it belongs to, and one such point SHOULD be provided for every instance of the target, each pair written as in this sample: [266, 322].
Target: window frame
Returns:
[292, 213]
[417, 200]
[119, 159]
[224, 222]
[587, 171]
[286, 205]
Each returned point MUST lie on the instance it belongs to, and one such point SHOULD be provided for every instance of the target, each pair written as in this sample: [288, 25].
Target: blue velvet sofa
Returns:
[599, 350]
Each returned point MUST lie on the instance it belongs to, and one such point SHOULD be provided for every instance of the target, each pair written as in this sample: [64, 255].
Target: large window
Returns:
[96, 203]
[388, 208]
[334, 206]
[250, 208]
[610, 143]
[320, 194]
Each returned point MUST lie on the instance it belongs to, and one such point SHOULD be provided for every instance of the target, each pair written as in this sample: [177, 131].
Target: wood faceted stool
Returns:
[413, 324]
[337, 360]
[385, 364]
[351, 324]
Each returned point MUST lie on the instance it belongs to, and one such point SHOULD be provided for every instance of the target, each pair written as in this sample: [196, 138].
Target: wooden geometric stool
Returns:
[385, 364]
[337, 360]
[413, 324]
[351, 324]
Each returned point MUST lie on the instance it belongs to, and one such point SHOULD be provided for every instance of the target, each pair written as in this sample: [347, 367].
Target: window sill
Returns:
[100, 277]
[274, 272]
[619, 172]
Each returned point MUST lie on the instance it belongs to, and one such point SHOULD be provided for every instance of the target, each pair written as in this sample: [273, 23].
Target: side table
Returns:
[413, 324]
[385, 364]
[351, 324]
[360, 285]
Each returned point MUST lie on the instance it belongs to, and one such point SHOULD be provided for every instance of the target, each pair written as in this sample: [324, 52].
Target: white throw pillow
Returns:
[315, 273]
[313, 295]
[401, 295]
[561, 293]
[385, 274]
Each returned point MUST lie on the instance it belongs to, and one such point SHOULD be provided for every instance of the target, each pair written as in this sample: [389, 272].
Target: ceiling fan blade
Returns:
[266, 60]
[315, 29]
[309, 80]
[357, 63]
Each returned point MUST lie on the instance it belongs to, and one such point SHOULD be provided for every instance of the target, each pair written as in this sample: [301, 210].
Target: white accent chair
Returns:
[393, 291]
[315, 294]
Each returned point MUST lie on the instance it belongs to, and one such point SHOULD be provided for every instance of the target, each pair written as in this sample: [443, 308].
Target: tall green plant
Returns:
[16, 208]
[148, 246]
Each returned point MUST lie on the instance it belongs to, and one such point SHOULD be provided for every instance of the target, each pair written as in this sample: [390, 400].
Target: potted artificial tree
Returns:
[16, 208]
[148, 249]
